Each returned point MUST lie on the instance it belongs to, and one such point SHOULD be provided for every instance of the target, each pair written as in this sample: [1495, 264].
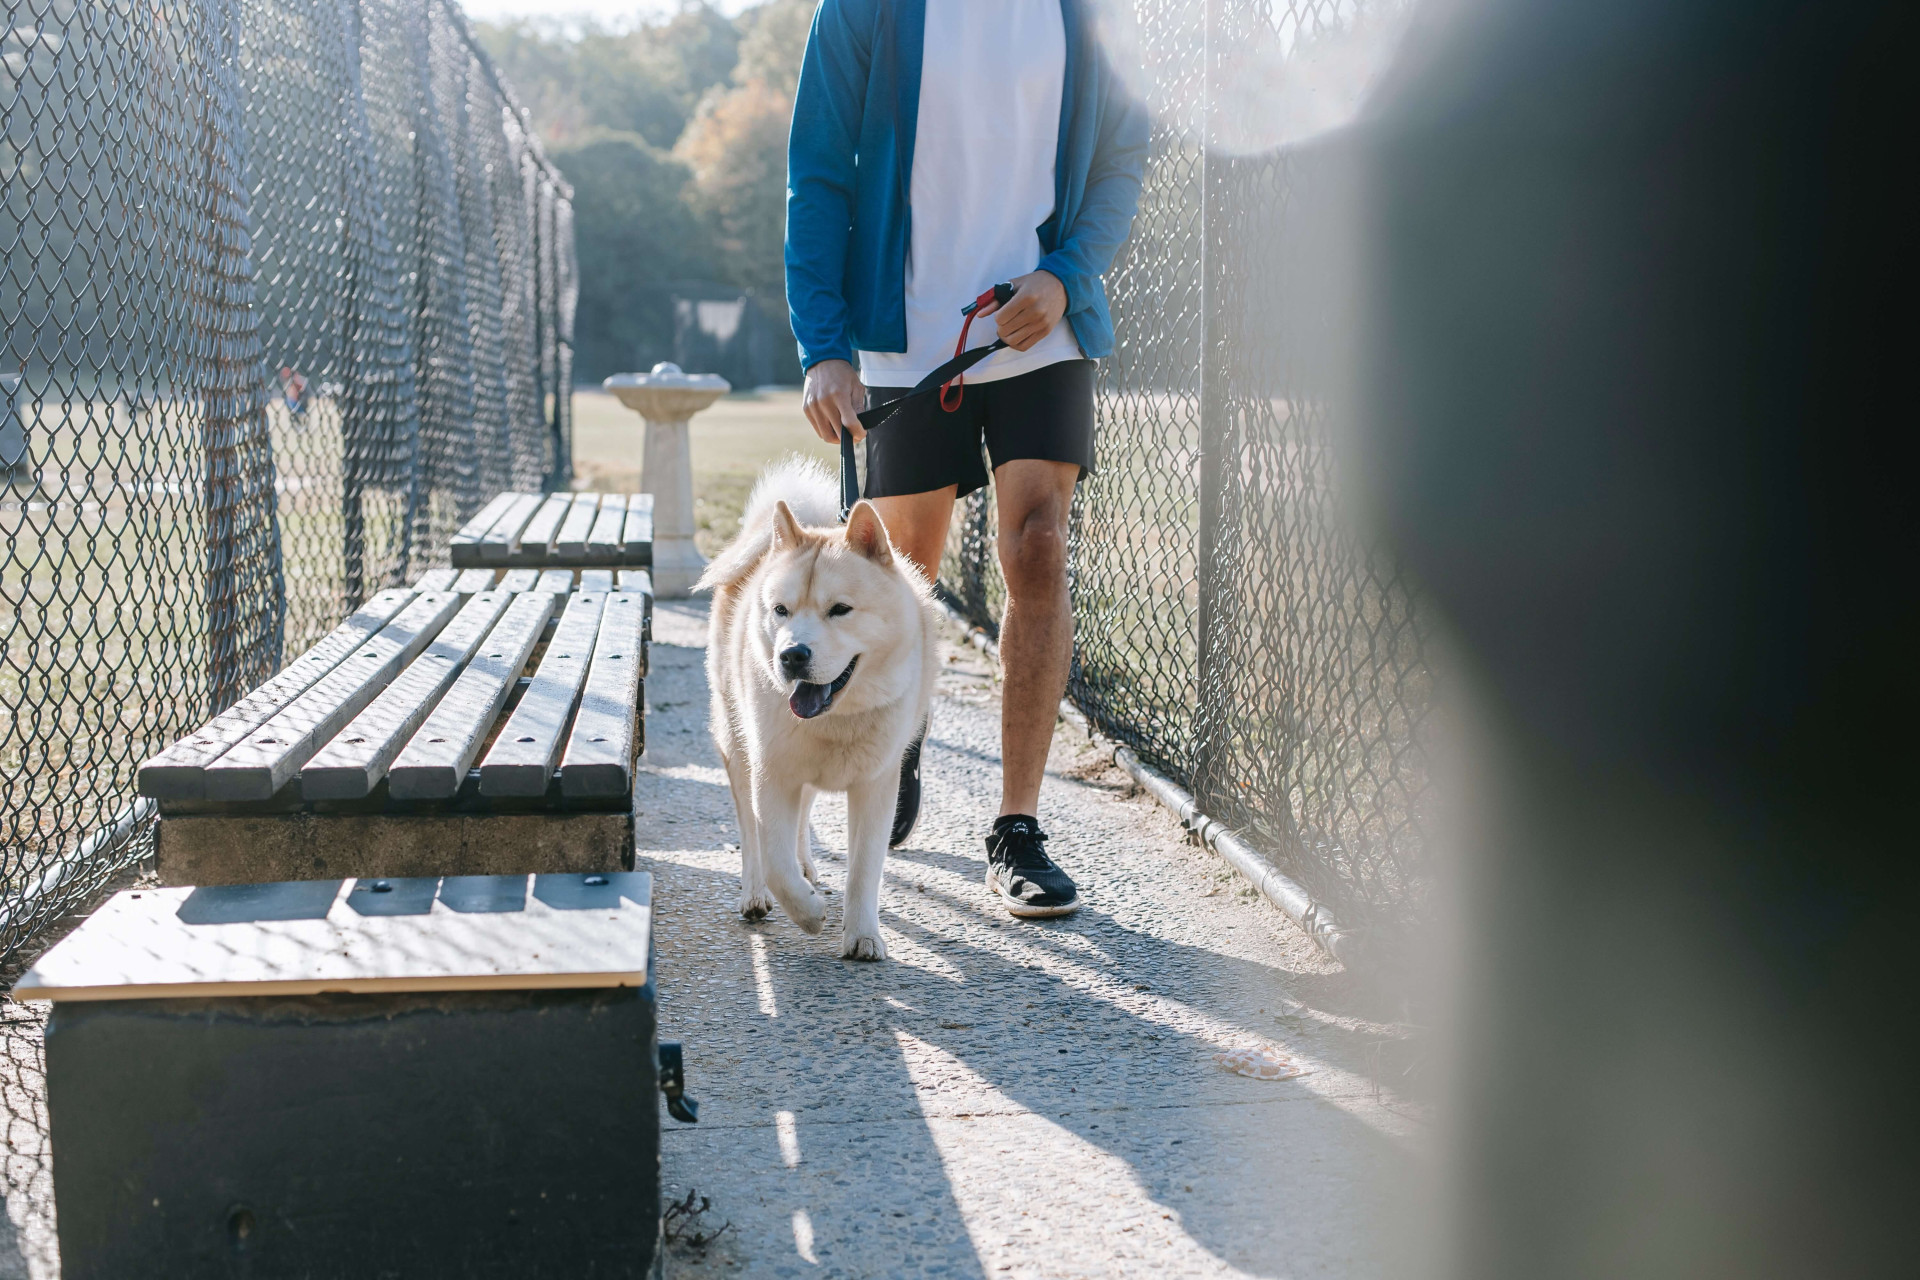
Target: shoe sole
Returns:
[908, 833]
[1023, 911]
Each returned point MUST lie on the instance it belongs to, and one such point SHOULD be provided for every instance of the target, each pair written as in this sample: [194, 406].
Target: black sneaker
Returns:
[906, 809]
[1019, 870]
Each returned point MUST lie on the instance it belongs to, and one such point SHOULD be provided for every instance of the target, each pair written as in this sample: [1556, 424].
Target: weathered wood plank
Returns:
[599, 758]
[473, 582]
[522, 758]
[636, 580]
[435, 761]
[178, 773]
[286, 939]
[356, 759]
[571, 544]
[263, 761]
[473, 530]
[518, 580]
[503, 539]
[637, 537]
[609, 525]
[538, 538]
[436, 580]
[600, 580]
[556, 580]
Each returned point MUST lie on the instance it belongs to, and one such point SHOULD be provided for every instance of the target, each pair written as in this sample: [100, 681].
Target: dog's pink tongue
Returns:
[809, 700]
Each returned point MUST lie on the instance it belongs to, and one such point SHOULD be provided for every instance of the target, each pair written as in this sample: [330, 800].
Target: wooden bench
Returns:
[440, 1077]
[557, 530]
[468, 725]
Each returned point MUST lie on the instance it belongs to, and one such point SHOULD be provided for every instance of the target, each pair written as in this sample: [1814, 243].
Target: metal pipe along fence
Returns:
[288, 290]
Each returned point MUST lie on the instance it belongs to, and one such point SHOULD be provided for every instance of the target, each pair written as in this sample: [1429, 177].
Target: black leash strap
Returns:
[849, 475]
[948, 374]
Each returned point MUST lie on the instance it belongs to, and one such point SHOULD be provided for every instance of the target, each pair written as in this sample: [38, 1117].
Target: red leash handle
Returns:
[1001, 294]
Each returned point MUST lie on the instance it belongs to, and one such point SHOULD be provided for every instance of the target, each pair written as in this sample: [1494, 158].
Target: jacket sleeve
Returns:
[827, 110]
[1112, 196]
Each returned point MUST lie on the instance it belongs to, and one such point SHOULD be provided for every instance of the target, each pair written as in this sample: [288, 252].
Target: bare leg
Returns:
[778, 812]
[869, 818]
[917, 525]
[754, 901]
[1036, 632]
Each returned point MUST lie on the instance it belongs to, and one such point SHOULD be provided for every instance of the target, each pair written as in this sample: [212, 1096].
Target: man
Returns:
[940, 147]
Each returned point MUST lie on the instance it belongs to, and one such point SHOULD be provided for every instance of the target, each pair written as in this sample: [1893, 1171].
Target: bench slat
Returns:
[353, 763]
[518, 580]
[522, 759]
[556, 580]
[637, 537]
[436, 580]
[572, 542]
[604, 540]
[178, 773]
[503, 539]
[600, 580]
[435, 761]
[637, 580]
[263, 762]
[599, 759]
[473, 582]
[473, 530]
[545, 525]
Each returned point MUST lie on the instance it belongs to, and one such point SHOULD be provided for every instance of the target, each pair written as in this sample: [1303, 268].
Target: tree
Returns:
[736, 145]
[634, 232]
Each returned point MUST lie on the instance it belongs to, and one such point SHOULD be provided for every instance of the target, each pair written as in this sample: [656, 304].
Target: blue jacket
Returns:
[848, 221]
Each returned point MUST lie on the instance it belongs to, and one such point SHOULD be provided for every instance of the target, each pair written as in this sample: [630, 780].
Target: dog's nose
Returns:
[794, 660]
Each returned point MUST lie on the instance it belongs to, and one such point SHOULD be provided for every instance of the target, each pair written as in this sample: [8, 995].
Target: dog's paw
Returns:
[810, 912]
[863, 946]
[754, 906]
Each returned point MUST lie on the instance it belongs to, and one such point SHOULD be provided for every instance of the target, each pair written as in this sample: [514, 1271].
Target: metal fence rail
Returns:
[1230, 627]
[288, 288]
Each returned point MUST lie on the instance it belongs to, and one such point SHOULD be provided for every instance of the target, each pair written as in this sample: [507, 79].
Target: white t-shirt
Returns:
[991, 77]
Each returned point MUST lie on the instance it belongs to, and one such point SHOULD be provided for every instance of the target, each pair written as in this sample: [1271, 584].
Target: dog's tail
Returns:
[810, 492]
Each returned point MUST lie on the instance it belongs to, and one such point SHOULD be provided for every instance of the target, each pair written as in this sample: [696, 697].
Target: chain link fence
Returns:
[288, 292]
[1230, 625]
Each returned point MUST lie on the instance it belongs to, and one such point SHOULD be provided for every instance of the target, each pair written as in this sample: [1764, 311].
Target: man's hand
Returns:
[1038, 302]
[833, 399]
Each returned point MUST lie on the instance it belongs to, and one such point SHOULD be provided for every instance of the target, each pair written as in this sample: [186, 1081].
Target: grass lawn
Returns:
[732, 441]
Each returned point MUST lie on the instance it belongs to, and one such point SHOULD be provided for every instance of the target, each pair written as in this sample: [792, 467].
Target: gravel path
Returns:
[1004, 1097]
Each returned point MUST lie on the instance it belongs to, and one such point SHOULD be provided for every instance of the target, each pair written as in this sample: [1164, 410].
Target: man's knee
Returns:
[1033, 551]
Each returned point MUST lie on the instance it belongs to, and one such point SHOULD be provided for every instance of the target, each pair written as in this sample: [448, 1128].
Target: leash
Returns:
[950, 376]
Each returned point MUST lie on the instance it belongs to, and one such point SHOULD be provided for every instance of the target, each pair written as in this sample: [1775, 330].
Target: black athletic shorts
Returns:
[1046, 414]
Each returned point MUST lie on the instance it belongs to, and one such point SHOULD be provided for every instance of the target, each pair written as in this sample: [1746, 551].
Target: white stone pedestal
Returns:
[668, 399]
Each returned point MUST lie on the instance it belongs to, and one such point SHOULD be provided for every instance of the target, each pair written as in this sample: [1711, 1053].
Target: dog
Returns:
[822, 656]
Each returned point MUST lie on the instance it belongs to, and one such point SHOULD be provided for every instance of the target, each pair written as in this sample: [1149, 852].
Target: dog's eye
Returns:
[840, 611]
[779, 611]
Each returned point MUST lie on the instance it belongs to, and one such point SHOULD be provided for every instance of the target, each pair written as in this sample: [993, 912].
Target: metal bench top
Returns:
[557, 530]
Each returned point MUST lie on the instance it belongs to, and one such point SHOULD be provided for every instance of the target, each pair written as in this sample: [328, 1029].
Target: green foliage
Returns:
[674, 135]
[635, 232]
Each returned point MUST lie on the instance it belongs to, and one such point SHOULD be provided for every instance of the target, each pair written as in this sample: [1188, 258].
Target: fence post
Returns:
[1216, 442]
[237, 475]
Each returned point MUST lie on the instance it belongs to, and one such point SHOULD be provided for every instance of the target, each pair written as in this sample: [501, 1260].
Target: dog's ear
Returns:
[867, 535]
[786, 530]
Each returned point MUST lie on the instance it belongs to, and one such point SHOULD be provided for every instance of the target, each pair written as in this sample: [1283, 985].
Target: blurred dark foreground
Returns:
[1635, 353]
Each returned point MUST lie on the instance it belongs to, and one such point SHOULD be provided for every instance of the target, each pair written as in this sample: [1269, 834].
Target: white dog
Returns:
[822, 656]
